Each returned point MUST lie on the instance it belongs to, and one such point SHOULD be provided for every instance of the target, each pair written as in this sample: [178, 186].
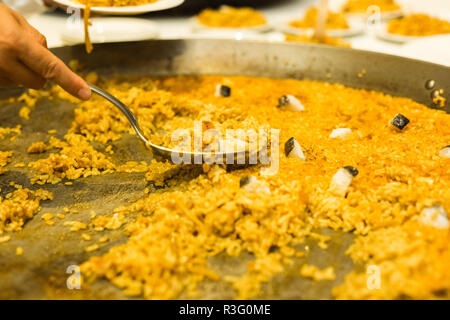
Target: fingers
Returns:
[48, 66]
[21, 75]
[25, 59]
[13, 72]
[43, 40]
[38, 37]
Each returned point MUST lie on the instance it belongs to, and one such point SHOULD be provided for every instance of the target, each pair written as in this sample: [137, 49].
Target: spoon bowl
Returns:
[176, 156]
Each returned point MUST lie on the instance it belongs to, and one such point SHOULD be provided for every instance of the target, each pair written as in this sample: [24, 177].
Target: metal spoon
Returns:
[173, 155]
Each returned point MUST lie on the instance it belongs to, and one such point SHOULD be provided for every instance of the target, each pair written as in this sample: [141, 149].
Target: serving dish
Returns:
[110, 29]
[356, 27]
[384, 15]
[383, 34]
[125, 10]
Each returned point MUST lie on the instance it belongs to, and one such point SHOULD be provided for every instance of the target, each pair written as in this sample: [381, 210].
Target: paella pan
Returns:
[137, 226]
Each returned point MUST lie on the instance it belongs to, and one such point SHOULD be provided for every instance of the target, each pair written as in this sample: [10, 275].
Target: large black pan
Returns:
[41, 271]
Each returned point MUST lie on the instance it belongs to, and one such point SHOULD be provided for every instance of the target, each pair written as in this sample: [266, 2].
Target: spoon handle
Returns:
[123, 108]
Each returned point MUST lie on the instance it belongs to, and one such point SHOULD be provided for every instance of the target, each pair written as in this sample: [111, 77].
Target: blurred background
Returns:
[63, 25]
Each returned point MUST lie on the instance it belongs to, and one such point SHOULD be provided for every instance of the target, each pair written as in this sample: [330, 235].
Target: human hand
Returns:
[26, 61]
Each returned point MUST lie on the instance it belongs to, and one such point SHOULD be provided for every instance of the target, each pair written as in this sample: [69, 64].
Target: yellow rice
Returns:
[418, 25]
[201, 211]
[230, 17]
[335, 20]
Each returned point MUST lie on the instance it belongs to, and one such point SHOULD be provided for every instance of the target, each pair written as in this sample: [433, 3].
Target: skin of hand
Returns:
[26, 61]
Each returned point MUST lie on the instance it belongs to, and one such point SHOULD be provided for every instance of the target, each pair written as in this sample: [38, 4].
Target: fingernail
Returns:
[84, 93]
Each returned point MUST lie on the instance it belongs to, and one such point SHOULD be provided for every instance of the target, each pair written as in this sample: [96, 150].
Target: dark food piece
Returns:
[291, 102]
[283, 101]
[292, 149]
[400, 121]
[352, 170]
[225, 91]
[289, 145]
[244, 181]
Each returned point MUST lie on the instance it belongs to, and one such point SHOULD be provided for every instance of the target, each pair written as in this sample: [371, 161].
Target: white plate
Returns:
[383, 34]
[199, 27]
[356, 28]
[110, 29]
[384, 16]
[127, 10]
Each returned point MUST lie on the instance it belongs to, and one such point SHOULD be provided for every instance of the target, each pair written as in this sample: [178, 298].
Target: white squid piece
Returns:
[250, 183]
[340, 133]
[434, 216]
[290, 102]
[445, 152]
[342, 180]
[292, 149]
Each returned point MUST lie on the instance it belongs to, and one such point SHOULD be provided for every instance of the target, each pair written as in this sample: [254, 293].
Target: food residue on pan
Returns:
[6, 131]
[4, 239]
[6, 156]
[19, 251]
[37, 147]
[309, 271]
[75, 225]
[19, 206]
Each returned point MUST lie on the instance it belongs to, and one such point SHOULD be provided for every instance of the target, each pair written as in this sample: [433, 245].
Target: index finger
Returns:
[50, 67]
